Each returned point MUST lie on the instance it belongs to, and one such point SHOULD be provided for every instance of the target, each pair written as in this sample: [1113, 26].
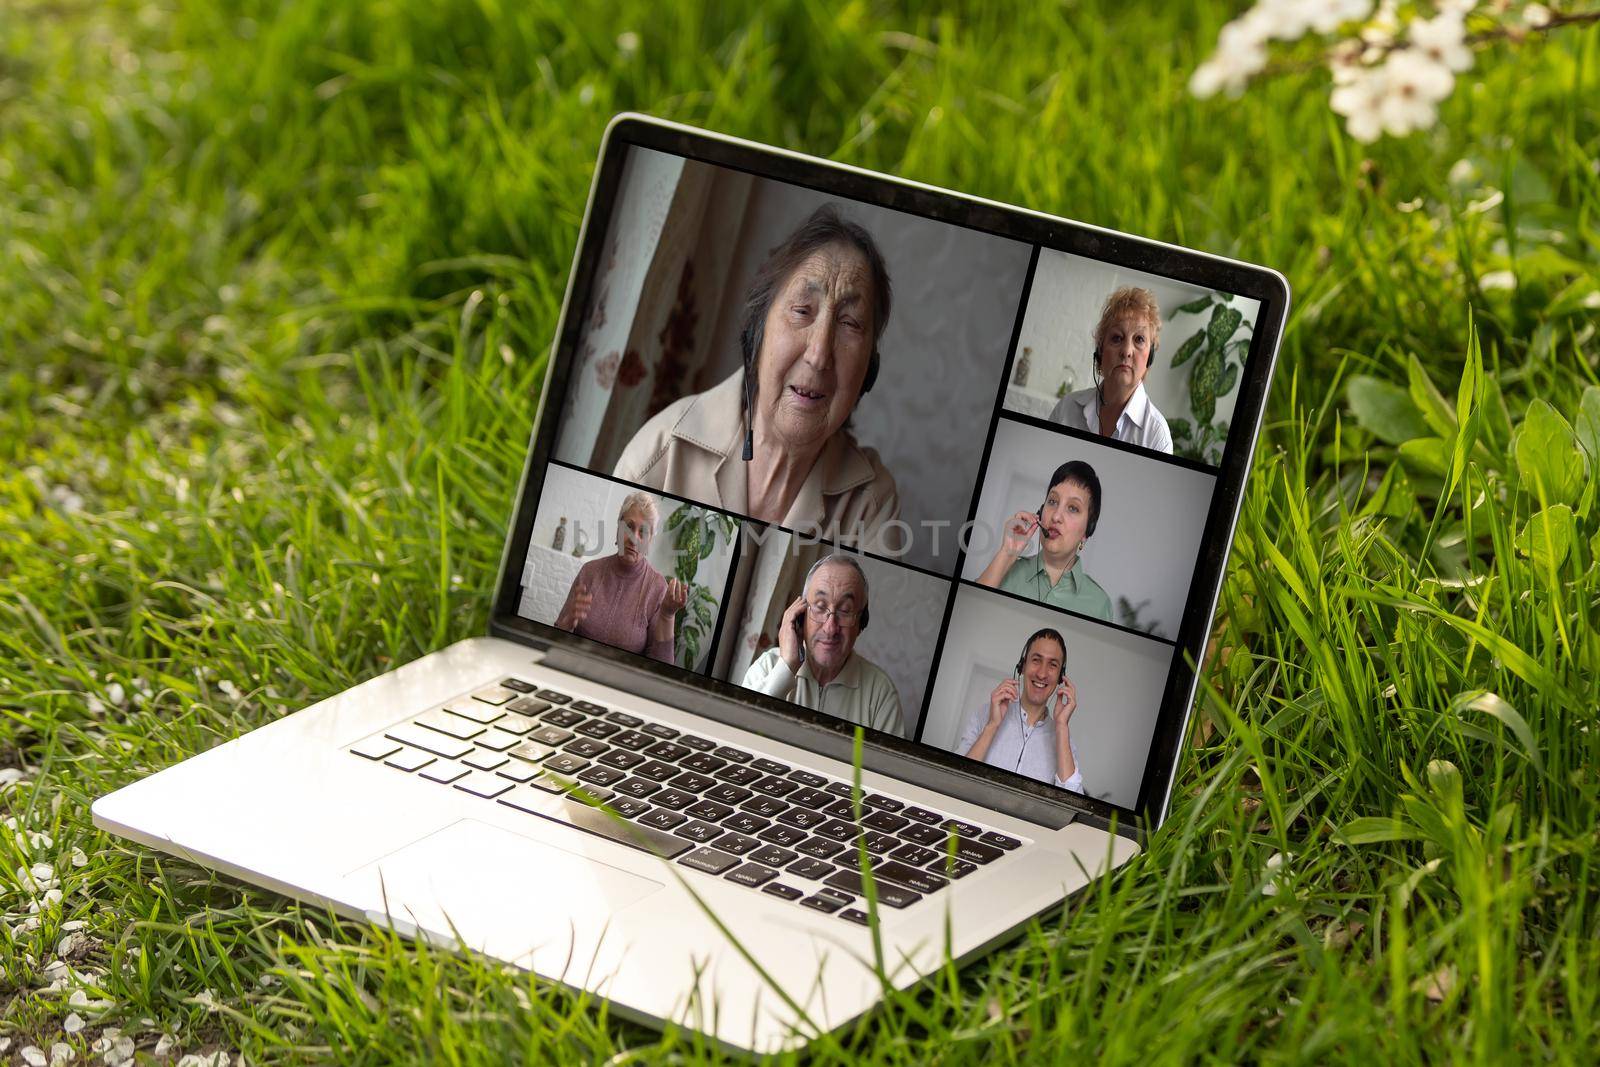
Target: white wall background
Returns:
[1147, 541]
[590, 503]
[1058, 326]
[1119, 678]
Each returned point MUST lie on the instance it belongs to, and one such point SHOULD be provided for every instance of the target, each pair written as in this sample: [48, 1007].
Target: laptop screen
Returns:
[903, 472]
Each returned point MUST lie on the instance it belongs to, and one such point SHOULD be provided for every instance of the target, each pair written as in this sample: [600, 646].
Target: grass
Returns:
[275, 289]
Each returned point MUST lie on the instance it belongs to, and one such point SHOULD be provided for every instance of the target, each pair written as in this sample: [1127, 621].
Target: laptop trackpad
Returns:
[493, 890]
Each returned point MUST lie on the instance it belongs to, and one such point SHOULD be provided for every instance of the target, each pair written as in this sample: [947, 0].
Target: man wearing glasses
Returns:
[815, 664]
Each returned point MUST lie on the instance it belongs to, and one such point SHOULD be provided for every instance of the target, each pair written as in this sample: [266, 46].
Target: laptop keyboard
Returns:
[715, 808]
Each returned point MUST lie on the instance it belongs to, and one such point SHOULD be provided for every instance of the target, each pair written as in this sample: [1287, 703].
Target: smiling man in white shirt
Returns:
[1117, 406]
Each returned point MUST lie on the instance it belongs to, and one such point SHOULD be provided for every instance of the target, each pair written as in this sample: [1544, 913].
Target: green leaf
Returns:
[1194, 307]
[1188, 348]
[1491, 705]
[1181, 430]
[1548, 454]
[1203, 385]
[1224, 320]
[1395, 497]
[1547, 537]
[1429, 401]
[1371, 830]
[1385, 409]
[1426, 454]
[1230, 378]
[1587, 424]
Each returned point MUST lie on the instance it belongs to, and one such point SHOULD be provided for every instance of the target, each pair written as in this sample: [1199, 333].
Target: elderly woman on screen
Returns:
[770, 441]
[621, 599]
[1117, 406]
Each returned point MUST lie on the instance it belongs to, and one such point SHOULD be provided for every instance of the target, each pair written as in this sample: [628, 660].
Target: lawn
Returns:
[276, 286]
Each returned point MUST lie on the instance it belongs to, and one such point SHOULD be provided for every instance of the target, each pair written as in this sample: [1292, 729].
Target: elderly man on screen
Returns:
[770, 441]
[815, 664]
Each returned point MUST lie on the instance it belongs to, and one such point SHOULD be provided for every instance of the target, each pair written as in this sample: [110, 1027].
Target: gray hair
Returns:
[844, 559]
[642, 502]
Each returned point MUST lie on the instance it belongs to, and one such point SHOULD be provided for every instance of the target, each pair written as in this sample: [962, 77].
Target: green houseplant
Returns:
[694, 537]
[1217, 352]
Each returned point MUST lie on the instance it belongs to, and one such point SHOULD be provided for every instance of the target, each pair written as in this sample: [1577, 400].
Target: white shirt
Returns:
[1140, 423]
[1016, 746]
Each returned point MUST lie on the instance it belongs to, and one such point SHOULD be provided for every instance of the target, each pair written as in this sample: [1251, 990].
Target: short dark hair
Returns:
[1076, 470]
[1046, 634]
[824, 227]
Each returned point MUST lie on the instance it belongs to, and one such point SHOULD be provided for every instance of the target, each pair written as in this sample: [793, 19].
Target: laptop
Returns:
[850, 614]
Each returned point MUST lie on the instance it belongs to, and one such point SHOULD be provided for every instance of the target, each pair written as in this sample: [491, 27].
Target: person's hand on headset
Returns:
[1066, 702]
[791, 634]
[1019, 531]
[1001, 699]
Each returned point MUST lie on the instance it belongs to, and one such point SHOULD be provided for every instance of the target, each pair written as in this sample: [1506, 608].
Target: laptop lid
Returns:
[822, 448]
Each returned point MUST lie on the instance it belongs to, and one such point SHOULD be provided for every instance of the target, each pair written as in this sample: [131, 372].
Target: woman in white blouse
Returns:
[1117, 406]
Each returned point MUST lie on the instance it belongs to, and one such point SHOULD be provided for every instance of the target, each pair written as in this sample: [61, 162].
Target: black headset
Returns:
[1055, 636]
[749, 343]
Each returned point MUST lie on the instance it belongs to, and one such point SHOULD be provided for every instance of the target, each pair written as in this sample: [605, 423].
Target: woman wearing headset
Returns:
[1117, 406]
[1025, 727]
[1054, 575]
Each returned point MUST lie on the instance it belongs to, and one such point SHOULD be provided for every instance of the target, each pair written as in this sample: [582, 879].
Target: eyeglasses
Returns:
[820, 612]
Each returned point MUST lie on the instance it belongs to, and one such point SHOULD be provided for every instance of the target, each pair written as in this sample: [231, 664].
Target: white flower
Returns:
[1241, 53]
[1497, 279]
[1269, 888]
[1444, 40]
[1536, 16]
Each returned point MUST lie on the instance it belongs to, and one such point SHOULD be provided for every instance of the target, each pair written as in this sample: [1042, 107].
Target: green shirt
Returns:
[1076, 591]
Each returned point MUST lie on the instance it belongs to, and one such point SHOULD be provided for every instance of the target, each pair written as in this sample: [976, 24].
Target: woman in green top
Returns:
[1054, 575]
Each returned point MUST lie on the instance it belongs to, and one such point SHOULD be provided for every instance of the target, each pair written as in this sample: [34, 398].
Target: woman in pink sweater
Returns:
[621, 599]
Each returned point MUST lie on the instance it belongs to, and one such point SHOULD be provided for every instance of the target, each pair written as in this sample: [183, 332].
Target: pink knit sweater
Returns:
[626, 599]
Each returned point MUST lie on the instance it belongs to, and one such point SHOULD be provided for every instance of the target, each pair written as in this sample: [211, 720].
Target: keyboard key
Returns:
[822, 903]
[484, 761]
[745, 823]
[699, 744]
[709, 810]
[592, 795]
[809, 798]
[906, 875]
[880, 843]
[562, 718]
[483, 785]
[700, 762]
[778, 889]
[517, 771]
[890, 894]
[588, 707]
[951, 867]
[708, 860]
[840, 789]
[810, 869]
[585, 747]
[662, 819]
[737, 844]
[765, 807]
[621, 759]
[551, 735]
[882, 820]
[676, 799]
[929, 836]
[699, 832]
[767, 766]
[819, 848]
[727, 794]
[376, 748]
[999, 840]
[518, 685]
[428, 741]
[444, 772]
[471, 709]
[531, 751]
[598, 821]
[732, 755]
[497, 740]
[598, 728]
[515, 724]
[495, 694]
[773, 786]
[638, 787]
[690, 782]
[408, 759]
[656, 729]
[882, 803]
[751, 874]
[528, 706]
[801, 818]
[841, 809]
[565, 763]
[627, 807]
[656, 771]
[838, 830]
[855, 915]
[915, 855]
[738, 775]
[450, 725]
[977, 852]
[622, 718]
[807, 778]
[782, 835]
[772, 856]
[552, 783]
[552, 696]
[598, 775]
[632, 740]
[965, 829]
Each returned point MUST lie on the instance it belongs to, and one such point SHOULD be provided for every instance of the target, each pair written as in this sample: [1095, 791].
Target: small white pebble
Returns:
[164, 1046]
[33, 1056]
[1274, 864]
[61, 1052]
[116, 694]
[73, 1023]
[121, 1051]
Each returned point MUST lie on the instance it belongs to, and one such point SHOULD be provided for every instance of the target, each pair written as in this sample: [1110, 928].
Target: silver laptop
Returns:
[849, 614]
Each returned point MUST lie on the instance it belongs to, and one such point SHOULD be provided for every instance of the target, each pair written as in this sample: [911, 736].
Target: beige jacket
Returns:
[693, 448]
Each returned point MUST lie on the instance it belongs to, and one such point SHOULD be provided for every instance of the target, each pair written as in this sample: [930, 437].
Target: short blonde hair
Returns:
[1130, 299]
[643, 503]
